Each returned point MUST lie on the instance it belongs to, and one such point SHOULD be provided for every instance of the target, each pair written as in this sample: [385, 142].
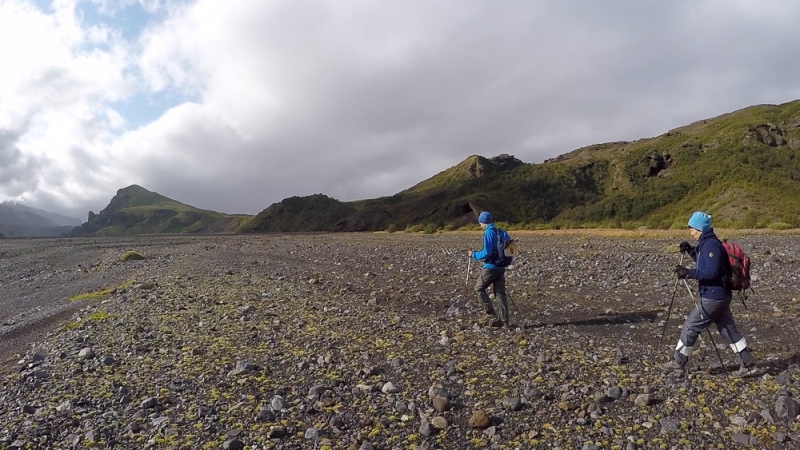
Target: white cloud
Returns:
[361, 98]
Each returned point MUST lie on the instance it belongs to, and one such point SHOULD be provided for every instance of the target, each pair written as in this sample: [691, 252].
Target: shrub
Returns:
[429, 228]
[391, 228]
[413, 228]
[131, 255]
[780, 226]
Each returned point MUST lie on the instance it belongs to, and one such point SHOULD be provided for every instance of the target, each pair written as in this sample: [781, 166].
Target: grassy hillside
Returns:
[135, 210]
[741, 167]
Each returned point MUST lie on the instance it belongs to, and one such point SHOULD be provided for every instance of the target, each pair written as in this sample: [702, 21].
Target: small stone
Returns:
[479, 420]
[242, 368]
[786, 407]
[109, 361]
[276, 432]
[317, 391]
[86, 353]
[779, 437]
[568, 406]
[668, 425]
[265, 415]
[644, 400]
[425, 428]
[588, 446]
[741, 438]
[233, 444]
[436, 390]
[614, 392]
[512, 403]
[149, 402]
[41, 375]
[28, 409]
[278, 403]
[739, 421]
[397, 362]
[390, 388]
[441, 404]
[314, 434]
[439, 422]
[630, 446]
[602, 399]
[159, 420]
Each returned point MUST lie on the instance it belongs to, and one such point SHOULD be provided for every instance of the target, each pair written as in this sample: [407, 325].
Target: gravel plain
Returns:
[349, 341]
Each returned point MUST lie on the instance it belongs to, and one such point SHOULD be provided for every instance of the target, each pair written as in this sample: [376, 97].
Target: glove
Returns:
[685, 247]
[681, 272]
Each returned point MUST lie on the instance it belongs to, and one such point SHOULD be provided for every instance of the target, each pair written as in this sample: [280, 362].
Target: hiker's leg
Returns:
[500, 295]
[727, 328]
[694, 325]
[486, 279]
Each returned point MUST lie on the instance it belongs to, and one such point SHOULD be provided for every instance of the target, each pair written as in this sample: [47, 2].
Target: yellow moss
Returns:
[89, 295]
[131, 255]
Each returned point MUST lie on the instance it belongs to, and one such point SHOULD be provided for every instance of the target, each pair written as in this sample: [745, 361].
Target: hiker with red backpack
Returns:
[494, 267]
[713, 273]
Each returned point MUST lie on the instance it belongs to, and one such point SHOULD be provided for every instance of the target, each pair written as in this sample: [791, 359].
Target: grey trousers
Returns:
[710, 311]
[497, 279]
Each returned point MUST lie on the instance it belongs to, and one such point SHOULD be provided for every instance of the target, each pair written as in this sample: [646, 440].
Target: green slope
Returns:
[135, 210]
[741, 167]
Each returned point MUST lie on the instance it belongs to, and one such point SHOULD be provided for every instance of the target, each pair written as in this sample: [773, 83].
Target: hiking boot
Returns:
[497, 324]
[745, 371]
[487, 318]
[672, 366]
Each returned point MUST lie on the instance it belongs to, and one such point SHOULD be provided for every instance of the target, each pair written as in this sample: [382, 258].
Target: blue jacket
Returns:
[489, 245]
[711, 267]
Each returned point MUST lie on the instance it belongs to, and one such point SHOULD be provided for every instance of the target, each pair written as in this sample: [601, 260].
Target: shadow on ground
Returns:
[619, 319]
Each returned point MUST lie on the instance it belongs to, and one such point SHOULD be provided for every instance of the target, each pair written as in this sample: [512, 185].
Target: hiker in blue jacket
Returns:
[492, 273]
[712, 272]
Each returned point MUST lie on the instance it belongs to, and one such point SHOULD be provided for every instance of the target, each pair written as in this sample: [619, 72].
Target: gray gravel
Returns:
[345, 341]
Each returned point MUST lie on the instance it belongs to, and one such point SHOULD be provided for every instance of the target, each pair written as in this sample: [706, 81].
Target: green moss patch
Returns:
[131, 256]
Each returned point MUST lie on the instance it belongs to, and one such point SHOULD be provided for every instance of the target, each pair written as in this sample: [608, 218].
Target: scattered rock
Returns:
[479, 419]
[512, 403]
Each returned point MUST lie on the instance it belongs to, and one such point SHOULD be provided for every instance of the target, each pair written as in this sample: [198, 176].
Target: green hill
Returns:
[741, 167]
[135, 210]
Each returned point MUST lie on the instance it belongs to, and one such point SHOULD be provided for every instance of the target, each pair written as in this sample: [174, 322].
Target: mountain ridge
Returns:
[135, 210]
[739, 166]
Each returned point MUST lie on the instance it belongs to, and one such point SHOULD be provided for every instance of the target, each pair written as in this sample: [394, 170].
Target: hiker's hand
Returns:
[681, 272]
[685, 247]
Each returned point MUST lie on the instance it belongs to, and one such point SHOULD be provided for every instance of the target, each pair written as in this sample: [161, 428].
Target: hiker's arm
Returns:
[713, 258]
[487, 246]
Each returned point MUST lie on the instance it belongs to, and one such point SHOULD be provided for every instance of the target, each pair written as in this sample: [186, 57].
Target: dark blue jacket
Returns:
[711, 267]
[489, 245]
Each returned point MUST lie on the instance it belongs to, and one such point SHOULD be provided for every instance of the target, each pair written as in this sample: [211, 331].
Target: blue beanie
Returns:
[485, 217]
[700, 221]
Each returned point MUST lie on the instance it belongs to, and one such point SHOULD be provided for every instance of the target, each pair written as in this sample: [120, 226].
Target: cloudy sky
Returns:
[233, 105]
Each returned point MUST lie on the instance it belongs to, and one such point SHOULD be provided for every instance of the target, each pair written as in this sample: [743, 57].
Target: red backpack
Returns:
[740, 266]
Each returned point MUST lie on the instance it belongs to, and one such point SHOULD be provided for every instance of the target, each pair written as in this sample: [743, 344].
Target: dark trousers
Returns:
[497, 279]
[710, 311]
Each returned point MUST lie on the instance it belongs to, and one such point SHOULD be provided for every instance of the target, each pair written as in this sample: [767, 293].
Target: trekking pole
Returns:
[456, 305]
[466, 282]
[710, 337]
[513, 302]
[669, 311]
